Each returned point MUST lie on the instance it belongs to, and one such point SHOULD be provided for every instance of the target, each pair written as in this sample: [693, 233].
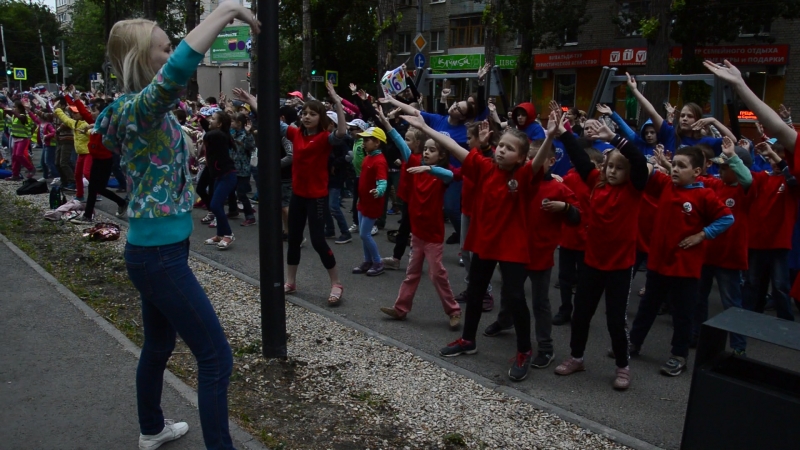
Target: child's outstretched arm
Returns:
[743, 174]
[647, 107]
[398, 140]
[443, 174]
[341, 127]
[452, 146]
[555, 127]
[640, 169]
[769, 154]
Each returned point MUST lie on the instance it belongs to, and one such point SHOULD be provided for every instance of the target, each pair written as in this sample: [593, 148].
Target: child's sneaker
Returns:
[674, 366]
[213, 224]
[363, 268]
[519, 369]
[390, 263]
[570, 366]
[81, 220]
[459, 347]
[170, 432]
[248, 222]
[377, 269]
[208, 218]
[391, 312]
[353, 228]
[623, 379]
[374, 230]
[542, 360]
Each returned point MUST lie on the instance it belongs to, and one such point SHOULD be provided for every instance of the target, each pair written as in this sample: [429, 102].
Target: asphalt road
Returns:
[651, 410]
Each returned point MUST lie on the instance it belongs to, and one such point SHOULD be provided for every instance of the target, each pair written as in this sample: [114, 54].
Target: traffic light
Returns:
[9, 71]
[67, 72]
[56, 52]
[313, 67]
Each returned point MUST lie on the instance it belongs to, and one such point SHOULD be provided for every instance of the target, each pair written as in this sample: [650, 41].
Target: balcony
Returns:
[463, 7]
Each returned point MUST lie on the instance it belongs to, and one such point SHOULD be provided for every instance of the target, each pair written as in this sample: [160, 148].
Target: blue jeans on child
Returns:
[730, 292]
[765, 266]
[223, 187]
[49, 161]
[173, 302]
[365, 225]
[335, 205]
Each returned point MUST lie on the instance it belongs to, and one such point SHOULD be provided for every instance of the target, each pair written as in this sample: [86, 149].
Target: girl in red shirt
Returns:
[427, 180]
[498, 234]
[371, 189]
[312, 145]
[611, 219]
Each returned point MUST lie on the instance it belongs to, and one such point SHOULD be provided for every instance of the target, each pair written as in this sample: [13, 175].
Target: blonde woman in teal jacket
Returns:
[142, 129]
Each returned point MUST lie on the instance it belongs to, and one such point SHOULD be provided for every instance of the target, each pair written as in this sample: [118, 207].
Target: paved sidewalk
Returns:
[65, 382]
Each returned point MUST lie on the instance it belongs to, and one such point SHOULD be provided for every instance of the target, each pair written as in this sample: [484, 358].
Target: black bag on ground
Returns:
[57, 197]
[32, 187]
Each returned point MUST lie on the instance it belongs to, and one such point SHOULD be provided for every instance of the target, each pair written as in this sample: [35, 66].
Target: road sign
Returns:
[317, 78]
[420, 42]
[93, 76]
[55, 63]
[55, 70]
[419, 60]
[332, 76]
[20, 74]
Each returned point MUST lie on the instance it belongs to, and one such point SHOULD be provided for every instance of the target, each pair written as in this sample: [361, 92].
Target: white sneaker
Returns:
[354, 228]
[170, 432]
[374, 230]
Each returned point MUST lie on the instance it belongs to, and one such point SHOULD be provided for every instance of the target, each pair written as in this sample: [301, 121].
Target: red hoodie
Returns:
[531, 127]
[96, 147]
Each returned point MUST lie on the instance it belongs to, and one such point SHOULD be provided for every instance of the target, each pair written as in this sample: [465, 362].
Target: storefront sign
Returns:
[567, 60]
[231, 45]
[457, 62]
[623, 56]
[769, 55]
[506, 61]
[747, 116]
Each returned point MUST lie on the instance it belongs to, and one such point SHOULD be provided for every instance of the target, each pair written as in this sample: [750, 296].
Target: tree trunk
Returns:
[658, 57]
[386, 15]
[305, 76]
[525, 63]
[190, 22]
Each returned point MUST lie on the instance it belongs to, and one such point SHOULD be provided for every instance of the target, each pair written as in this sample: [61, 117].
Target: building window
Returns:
[466, 32]
[564, 89]
[755, 29]
[62, 17]
[629, 15]
[570, 37]
[518, 42]
[403, 44]
[437, 1]
[437, 41]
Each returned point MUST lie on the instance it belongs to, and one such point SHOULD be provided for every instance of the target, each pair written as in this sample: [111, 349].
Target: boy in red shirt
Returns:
[726, 256]
[688, 214]
[553, 205]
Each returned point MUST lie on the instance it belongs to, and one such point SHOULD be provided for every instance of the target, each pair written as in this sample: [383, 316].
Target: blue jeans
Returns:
[767, 266]
[452, 205]
[173, 302]
[223, 187]
[335, 205]
[730, 292]
[49, 161]
[365, 225]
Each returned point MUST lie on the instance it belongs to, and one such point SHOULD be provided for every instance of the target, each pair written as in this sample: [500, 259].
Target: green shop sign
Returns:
[471, 62]
[230, 46]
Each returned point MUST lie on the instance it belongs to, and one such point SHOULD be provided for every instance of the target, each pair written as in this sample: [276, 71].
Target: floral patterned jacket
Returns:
[154, 154]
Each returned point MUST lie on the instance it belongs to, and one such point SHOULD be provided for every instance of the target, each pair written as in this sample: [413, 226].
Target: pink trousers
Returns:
[83, 167]
[433, 253]
[20, 157]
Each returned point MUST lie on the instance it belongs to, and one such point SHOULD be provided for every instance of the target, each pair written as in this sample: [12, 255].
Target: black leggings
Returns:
[355, 203]
[512, 292]
[312, 209]
[403, 233]
[591, 285]
[98, 182]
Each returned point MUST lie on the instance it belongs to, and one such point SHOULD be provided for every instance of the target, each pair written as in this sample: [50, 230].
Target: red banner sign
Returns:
[567, 60]
[769, 55]
[623, 56]
[747, 115]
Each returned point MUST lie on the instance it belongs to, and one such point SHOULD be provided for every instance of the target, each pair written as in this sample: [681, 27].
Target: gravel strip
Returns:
[431, 406]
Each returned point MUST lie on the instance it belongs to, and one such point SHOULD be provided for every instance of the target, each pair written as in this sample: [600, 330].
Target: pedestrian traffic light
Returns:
[9, 71]
[313, 68]
[67, 72]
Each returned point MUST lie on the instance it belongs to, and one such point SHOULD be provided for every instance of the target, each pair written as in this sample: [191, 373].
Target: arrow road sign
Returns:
[419, 60]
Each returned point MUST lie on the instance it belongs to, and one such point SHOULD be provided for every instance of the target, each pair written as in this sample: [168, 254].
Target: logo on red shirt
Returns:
[512, 185]
[730, 203]
[687, 207]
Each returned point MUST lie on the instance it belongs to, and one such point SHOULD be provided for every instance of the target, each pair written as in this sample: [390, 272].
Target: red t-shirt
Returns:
[426, 204]
[648, 208]
[545, 227]
[404, 185]
[309, 162]
[612, 224]
[773, 211]
[729, 249]
[682, 212]
[574, 237]
[373, 168]
[467, 189]
[498, 230]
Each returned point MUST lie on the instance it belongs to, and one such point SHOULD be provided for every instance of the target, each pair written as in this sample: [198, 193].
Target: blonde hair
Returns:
[129, 53]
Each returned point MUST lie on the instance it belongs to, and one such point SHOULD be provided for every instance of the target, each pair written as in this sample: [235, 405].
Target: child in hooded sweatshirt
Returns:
[80, 128]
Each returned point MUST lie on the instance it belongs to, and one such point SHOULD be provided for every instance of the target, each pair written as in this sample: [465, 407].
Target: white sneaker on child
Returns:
[170, 432]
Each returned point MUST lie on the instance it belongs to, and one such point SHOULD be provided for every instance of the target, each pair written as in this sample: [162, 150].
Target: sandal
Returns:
[289, 288]
[214, 240]
[335, 298]
[226, 242]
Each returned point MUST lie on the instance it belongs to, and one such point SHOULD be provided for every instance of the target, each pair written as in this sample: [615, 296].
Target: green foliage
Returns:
[649, 27]
[544, 21]
[21, 23]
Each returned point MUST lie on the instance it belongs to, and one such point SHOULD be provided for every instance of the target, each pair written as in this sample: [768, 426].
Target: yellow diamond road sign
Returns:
[420, 42]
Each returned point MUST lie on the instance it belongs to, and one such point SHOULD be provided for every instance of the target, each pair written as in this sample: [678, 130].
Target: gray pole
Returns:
[44, 60]
[5, 56]
[63, 64]
[270, 253]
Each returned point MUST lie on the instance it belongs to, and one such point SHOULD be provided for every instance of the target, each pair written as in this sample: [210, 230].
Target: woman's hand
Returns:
[703, 122]
[727, 72]
[415, 120]
[554, 106]
[418, 169]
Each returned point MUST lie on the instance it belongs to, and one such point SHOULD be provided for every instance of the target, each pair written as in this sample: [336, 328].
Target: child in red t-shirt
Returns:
[371, 189]
[611, 221]
[688, 214]
[573, 241]
[427, 178]
[498, 233]
[552, 206]
[726, 256]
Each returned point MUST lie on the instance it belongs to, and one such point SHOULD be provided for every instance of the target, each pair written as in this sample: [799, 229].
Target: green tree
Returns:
[21, 24]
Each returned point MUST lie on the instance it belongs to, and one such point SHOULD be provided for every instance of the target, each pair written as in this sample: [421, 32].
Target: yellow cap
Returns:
[375, 132]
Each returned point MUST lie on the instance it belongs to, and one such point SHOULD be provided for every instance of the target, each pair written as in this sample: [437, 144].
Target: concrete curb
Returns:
[183, 389]
[595, 427]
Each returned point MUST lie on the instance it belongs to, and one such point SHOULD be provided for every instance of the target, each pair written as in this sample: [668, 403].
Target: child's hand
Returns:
[599, 130]
[631, 81]
[332, 93]
[492, 107]
[692, 240]
[784, 112]
[703, 122]
[744, 143]
[603, 109]
[554, 106]
[419, 169]
[445, 93]
[553, 207]
[362, 94]
[557, 177]
[484, 133]
[765, 150]
[375, 193]
[353, 88]
[670, 109]
[415, 121]
[398, 163]
[728, 147]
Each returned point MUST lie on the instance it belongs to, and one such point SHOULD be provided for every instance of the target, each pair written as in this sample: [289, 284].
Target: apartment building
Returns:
[64, 12]
[454, 33]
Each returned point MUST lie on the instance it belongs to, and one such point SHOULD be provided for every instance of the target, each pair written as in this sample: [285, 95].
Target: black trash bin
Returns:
[737, 402]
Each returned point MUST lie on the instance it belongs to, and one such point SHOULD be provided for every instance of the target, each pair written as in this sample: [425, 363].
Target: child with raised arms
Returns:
[371, 189]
